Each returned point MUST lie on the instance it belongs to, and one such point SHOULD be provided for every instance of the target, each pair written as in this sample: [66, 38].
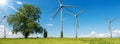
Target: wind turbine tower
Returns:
[2, 20]
[4, 26]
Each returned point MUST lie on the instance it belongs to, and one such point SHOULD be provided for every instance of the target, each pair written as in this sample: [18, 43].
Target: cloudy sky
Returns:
[91, 21]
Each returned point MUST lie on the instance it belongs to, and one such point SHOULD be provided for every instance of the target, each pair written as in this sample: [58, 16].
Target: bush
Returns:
[45, 33]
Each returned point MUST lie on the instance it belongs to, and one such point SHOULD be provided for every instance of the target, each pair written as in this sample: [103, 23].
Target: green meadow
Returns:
[60, 41]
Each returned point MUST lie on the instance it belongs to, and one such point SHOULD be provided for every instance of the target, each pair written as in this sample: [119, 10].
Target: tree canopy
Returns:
[26, 21]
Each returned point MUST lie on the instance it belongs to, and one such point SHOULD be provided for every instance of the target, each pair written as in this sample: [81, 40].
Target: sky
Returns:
[91, 21]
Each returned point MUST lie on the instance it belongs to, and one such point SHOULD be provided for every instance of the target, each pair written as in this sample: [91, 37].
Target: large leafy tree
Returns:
[26, 20]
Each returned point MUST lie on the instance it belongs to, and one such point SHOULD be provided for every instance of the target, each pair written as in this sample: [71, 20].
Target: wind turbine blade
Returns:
[69, 10]
[81, 11]
[2, 19]
[70, 13]
[70, 6]
[12, 7]
[59, 1]
[106, 19]
[114, 19]
[56, 12]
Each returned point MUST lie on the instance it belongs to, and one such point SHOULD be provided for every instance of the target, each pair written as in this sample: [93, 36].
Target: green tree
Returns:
[26, 20]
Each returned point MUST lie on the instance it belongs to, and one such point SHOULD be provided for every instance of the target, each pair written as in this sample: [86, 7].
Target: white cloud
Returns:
[1, 30]
[1, 26]
[93, 33]
[49, 25]
[115, 33]
[18, 2]
[10, 35]
[84, 36]
[19, 35]
[103, 35]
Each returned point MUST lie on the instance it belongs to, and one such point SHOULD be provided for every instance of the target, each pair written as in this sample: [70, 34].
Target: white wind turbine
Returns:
[109, 24]
[5, 3]
[4, 25]
[61, 14]
[76, 20]
[3, 13]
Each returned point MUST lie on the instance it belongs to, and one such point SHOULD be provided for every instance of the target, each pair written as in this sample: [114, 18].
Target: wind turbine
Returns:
[2, 3]
[61, 15]
[76, 20]
[2, 20]
[4, 26]
[109, 25]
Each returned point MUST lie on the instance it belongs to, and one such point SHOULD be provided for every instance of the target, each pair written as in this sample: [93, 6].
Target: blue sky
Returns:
[91, 20]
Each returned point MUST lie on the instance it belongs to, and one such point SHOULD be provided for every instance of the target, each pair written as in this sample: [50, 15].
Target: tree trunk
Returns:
[26, 35]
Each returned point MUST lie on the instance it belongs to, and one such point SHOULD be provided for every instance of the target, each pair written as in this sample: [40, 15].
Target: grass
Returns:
[60, 41]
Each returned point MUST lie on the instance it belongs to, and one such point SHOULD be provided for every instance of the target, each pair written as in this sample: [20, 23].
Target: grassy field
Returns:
[60, 41]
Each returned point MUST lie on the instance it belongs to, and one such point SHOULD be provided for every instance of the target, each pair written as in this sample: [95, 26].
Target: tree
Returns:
[26, 21]
[45, 33]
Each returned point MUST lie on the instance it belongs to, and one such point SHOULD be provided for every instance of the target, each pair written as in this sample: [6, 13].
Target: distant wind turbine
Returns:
[76, 20]
[3, 13]
[109, 24]
[61, 19]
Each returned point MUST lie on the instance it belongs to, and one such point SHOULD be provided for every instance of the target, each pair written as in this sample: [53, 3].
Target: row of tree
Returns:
[26, 21]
